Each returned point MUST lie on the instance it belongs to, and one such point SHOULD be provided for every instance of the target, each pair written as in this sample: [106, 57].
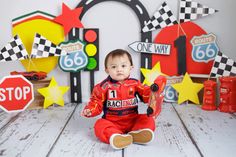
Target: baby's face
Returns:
[119, 67]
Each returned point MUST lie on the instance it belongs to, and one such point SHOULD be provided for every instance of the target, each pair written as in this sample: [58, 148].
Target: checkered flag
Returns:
[190, 11]
[13, 51]
[163, 17]
[44, 48]
[223, 66]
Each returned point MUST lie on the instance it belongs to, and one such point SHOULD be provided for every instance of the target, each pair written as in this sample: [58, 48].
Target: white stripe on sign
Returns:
[75, 81]
[75, 96]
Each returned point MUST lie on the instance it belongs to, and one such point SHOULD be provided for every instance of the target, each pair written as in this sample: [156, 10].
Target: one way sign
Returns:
[144, 47]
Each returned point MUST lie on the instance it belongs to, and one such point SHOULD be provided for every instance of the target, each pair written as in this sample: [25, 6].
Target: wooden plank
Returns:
[5, 118]
[213, 131]
[78, 139]
[34, 132]
[171, 138]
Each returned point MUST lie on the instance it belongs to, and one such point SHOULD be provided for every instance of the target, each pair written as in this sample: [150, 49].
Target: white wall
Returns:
[116, 32]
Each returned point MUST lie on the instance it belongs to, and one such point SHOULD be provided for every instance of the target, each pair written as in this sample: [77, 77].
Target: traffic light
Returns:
[91, 38]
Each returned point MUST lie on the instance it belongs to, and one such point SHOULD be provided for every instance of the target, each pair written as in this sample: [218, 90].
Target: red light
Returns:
[90, 36]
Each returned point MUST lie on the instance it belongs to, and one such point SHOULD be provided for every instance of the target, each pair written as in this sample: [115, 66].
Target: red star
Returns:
[69, 18]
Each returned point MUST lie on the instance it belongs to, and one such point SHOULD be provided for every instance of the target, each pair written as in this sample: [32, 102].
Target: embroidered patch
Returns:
[122, 103]
[104, 86]
[112, 94]
[131, 91]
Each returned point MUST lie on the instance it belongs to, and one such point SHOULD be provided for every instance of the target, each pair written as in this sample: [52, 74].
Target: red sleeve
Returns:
[143, 91]
[97, 99]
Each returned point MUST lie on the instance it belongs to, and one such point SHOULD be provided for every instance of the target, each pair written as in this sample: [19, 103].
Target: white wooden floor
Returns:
[182, 130]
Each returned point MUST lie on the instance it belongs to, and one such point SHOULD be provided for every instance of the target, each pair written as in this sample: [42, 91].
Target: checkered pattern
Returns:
[192, 10]
[13, 51]
[45, 48]
[163, 17]
[223, 66]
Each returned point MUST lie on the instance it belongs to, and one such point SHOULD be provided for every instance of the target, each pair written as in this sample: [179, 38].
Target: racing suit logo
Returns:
[122, 103]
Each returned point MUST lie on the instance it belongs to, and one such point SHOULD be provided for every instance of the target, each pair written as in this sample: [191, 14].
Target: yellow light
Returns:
[91, 50]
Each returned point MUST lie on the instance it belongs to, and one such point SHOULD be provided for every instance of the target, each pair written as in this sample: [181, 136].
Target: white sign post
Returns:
[162, 49]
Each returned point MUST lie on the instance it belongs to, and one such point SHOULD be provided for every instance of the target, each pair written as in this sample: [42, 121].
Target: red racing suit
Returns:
[119, 104]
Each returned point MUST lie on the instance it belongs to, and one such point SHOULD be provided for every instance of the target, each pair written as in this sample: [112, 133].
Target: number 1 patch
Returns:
[112, 94]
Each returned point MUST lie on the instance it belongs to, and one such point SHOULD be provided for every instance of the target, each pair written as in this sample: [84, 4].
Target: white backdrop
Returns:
[118, 26]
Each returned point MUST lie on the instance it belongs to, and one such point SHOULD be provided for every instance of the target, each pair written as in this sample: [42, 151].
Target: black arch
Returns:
[146, 59]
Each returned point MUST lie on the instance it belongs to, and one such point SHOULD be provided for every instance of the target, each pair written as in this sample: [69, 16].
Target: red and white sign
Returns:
[16, 93]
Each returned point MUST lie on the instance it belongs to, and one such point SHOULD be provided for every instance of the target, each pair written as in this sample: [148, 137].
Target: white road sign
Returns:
[162, 49]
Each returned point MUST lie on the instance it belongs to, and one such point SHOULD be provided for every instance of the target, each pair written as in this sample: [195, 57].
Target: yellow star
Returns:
[188, 90]
[53, 94]
[151, 75]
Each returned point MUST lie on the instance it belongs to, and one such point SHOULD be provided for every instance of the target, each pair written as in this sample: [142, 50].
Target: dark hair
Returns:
[118, 52]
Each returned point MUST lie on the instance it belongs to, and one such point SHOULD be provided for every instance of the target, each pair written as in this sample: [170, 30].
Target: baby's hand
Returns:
[87, 113]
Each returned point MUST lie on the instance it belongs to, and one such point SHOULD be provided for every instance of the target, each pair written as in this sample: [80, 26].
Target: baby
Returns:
[121, 124]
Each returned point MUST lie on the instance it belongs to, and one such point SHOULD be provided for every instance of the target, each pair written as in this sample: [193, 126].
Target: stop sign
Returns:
[16, 93]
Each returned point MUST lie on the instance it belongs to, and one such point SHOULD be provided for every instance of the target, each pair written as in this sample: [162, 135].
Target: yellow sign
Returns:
[38, 22]
[188, 90]
[151, 74]
[53, 94]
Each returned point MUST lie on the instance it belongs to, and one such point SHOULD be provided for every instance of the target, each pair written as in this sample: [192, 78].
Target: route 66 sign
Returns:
[76, 58]
[170, 93]
[204, 48]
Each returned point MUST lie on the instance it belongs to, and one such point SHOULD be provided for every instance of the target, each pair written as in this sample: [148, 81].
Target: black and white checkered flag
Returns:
[163, 17]
[44, 48]
[223, 66]
[190, 11]
[13, 51]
